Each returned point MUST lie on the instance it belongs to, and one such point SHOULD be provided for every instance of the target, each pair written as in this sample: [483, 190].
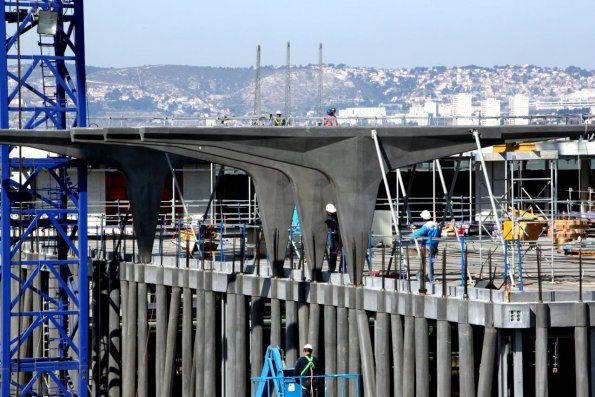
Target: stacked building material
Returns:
[569, 230]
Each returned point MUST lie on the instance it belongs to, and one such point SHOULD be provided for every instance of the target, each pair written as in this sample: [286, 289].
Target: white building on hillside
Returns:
[361, 116]
[490, 111]
[518, 107]
[462, 109]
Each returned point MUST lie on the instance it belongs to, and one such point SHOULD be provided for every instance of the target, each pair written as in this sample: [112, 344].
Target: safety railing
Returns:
[319, 385]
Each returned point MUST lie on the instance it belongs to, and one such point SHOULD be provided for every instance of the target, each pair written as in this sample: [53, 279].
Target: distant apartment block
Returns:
[518, 107]
[490, 111]
[462, 109]
[362, 116]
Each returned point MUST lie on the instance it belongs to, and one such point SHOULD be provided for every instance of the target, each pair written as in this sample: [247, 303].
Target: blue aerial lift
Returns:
[44, 282]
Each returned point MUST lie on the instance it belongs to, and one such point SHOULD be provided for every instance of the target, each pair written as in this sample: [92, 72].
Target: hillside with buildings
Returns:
[188, 91]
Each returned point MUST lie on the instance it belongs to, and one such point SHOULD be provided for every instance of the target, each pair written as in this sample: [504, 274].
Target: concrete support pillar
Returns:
[466, 355]
[131, 333]
[541, 335]
[314, 325]
[124, 342]
[443, 352]
[142, 341]
[592, 358]
[354, 354]
[210, 342]
[256, 336]
[187, 342]
[503, 367]
[160, 334]
[241, 347]
[172, 336]
[409, 357]
[342, 347]
[275, 322]
[422, 364]
[517, 362]
[330, 347]
[396, 327]
[367, 358]
[230, 348]
[382, 354]
[303, 313]
[115, 358]
[488, 361]
[199, 344]
[291, 332]
[581, 345]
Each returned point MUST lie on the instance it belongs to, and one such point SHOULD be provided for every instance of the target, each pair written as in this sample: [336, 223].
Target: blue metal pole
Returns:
[520, 265]
[83, 281]
[463, 264]
[505, 262]
[6, 292]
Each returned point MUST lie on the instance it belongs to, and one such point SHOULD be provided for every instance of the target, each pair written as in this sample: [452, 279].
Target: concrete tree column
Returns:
[365, 348]
[131, 334]
[541, 335]
[187, 351]
[466, 358]
[581, 350]
[210, 363]
[172, 336]
[443, 351]
[397, 347]
[382, 353]
[199, 344]
[330, 347]
[142, 341]
[160, 334]
[241, 346]
[354, 354]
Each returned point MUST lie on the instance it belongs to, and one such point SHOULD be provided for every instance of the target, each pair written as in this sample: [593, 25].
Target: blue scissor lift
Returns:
[44, 282]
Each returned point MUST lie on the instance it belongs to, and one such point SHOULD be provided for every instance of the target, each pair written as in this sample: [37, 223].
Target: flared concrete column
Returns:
[367, 357]
[443, 352]
[396, 327]
[187, 351]
[541, 335]
[142, 342]
[581, 350]
[382, 353]
[466, 355]
[330, 347]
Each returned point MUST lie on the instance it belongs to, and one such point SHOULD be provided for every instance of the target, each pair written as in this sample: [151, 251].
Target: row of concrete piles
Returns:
[227, 321]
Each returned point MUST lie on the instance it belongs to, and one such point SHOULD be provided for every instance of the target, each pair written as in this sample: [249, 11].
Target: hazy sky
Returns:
[376, 33]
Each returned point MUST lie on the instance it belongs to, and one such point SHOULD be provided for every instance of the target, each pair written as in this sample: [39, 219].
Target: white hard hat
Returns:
[425, 214]
[278, 112]
[331, 208]
[308, 347]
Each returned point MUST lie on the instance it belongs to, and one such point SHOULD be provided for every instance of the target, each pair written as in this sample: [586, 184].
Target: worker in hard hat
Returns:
[306, 369]
[278, 120]
[330, 120]
[334, 242]
[429, 233]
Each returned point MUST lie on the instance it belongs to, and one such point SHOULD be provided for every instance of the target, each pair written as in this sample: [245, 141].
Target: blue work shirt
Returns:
[431, 231]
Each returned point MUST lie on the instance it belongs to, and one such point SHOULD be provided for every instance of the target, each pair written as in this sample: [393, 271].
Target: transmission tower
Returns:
[288, 86]
[257, 87]
[320, 111]
[44, 281]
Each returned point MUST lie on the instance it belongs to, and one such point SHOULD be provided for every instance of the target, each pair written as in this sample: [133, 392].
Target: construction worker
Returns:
[430, 232]
[330, 120]
[278, 121]
[306, 369]
[334, 243]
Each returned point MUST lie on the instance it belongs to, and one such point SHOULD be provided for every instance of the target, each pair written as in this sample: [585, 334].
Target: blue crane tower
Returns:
[44, 305]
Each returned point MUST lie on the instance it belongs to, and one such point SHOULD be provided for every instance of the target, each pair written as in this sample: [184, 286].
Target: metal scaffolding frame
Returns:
[44, 280]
